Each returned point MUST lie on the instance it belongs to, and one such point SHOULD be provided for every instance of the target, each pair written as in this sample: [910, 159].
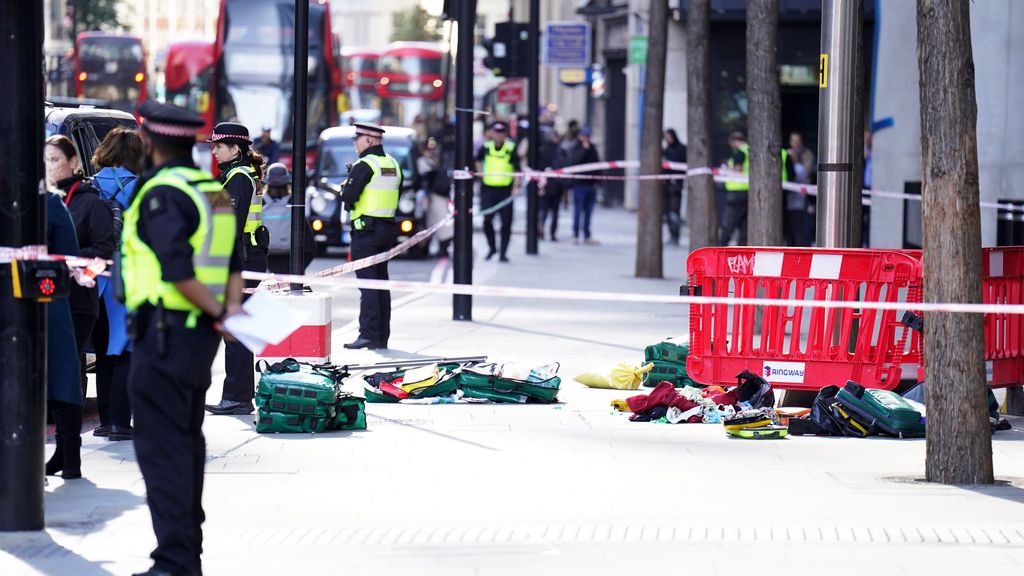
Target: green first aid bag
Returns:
[271, 422]
[304, 393]
[669, 372]
[884, 409]
[446, 384]
[674, 350]
[350, 413]
[482, 381]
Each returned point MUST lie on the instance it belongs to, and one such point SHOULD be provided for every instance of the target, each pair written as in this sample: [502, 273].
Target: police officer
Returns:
[371, 195]
[735, 212]
[498, 159]
[240, 172]
[181, 273]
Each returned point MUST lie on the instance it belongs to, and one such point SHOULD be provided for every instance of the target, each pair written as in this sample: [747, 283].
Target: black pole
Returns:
[533, 134]
[462, 304]
[22, 223]
[295, 260]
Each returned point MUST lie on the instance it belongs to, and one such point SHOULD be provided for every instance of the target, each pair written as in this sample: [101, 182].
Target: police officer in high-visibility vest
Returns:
[181, 275]
[734, 213]
[371, 197]
[241, 170]
[497, 159]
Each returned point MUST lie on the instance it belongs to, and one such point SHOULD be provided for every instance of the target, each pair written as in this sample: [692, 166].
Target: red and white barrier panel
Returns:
[312, 341]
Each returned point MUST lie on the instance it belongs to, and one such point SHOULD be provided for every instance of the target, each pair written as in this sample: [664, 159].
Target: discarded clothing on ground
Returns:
[297, 397]
[622, 376]
[689, 404]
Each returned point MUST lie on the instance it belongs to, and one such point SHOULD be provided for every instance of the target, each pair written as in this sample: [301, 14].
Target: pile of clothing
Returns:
[695, 405]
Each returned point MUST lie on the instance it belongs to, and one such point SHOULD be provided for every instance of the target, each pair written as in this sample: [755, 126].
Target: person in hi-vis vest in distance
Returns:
[371, 196]
[180, 268]
[241, 170]
[497, 160]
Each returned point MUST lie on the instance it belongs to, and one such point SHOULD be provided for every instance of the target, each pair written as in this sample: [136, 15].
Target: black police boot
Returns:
[362, 343]
[230, 408]
[68, 457]
[56, 462]
[120, 433]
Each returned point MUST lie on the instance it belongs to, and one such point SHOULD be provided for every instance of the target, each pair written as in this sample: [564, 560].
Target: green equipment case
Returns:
[447, 383]
[351, 413]
[884, 409]
[269, 421]
[674, 350]
[306, 393]
[669, 372]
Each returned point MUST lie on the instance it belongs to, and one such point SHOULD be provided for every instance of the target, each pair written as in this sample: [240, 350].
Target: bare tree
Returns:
[701, 214]
[764, 223]
[651, 207]
[959, 446]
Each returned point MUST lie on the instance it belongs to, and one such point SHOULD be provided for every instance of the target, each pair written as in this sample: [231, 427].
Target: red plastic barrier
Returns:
[1002, 282]
[791, 354]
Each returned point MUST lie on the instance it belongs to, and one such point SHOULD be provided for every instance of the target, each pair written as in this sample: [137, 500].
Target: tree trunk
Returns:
[764, 208]
[651, 206]
[959, 446]
[701, 214]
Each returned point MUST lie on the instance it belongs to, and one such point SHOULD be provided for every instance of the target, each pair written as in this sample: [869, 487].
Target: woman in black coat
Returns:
[94, 227]
[63, 392]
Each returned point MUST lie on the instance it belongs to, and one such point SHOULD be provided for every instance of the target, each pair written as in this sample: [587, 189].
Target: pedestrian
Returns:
[118, 158]
[584, 192]
[550, 157]
[241, 170]
[497, 160]
[94, 226]
[797, 223]
[267, 147]
[63, 371]
[734, 214]
[440, 186]
[181, 272]
[371, 192]
[674, 151]
[277, 216]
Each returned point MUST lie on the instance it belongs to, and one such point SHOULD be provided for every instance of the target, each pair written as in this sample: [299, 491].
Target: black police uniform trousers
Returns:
[374, 305]
[489, 196]
[239, 378]
[168, 390]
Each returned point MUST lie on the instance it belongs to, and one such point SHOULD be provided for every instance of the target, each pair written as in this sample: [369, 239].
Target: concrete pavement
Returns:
[560, 489]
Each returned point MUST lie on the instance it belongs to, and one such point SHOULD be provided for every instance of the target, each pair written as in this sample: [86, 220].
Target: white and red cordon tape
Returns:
[83, 270]
[586, 295]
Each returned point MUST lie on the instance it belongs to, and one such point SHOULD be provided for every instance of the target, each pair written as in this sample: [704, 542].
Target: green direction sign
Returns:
[638, 50]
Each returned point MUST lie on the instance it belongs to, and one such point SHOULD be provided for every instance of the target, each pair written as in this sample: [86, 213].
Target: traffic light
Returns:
[508, 51]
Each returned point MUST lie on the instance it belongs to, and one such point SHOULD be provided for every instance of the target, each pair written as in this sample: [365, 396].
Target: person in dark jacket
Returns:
[94, 226]
[241, 170]
[117, 157]
[63, 371]
[550, 157]
[674, 151]
[584, 194]
[277, 216]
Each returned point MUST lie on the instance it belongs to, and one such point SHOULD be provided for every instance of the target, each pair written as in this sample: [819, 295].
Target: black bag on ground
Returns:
[753, 389]
[821, 414]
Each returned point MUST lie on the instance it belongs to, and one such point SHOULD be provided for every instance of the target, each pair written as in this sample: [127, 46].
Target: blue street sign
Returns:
[567, 44]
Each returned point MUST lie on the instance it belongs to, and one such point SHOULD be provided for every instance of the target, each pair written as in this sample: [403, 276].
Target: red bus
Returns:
[110, 67]
[252, 72]
[411, 81]
[361, 77]
[188, 80]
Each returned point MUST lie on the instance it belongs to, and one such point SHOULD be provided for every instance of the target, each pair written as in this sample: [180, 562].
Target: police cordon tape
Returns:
[83, 270]
[281, 286]
[592, 296]
[683, 171]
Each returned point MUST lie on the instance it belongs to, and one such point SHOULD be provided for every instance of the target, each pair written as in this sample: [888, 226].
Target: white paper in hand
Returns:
[265, 320]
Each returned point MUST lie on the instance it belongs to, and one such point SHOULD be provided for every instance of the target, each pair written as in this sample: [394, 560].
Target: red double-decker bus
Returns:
[411, 81]
[188, 79]
[361, 76]
[110, 67]
[253, 63]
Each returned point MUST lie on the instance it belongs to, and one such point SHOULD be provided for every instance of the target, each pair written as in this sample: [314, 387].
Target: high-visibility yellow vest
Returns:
[744, 186]
[212, 244]
[498, 161]
[379, 199]
[254, 218]
[745, 169]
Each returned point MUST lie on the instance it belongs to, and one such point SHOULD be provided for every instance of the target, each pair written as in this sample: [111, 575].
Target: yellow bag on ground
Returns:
[623, 376]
